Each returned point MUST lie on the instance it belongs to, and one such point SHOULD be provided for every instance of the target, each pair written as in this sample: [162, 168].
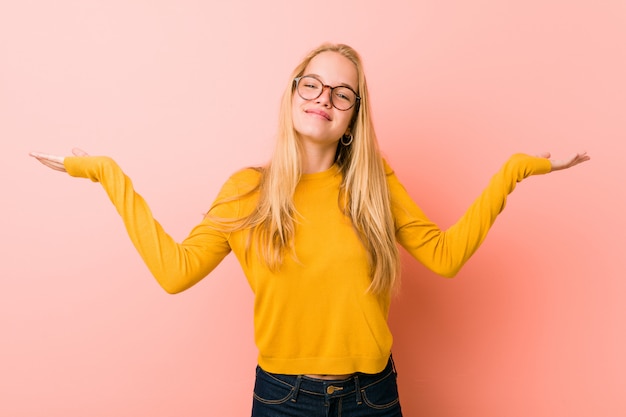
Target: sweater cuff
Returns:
[75, 165]
[531, 165]
[91, 167]
[543, 166]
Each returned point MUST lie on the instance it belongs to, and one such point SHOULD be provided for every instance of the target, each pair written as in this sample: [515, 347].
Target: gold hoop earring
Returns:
[350, 138]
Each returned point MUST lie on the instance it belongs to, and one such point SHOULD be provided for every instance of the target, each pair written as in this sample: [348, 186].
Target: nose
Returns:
[325, 97]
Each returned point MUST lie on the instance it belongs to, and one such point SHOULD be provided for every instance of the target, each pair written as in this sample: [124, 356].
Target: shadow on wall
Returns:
[457, 341]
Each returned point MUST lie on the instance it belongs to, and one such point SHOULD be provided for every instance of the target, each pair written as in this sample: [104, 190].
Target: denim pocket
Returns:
[382, 394]
[270, 390]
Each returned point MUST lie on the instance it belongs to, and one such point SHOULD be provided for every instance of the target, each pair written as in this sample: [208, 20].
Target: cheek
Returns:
[346, 117]
[296, 104]
[296, 114]
[296, 110]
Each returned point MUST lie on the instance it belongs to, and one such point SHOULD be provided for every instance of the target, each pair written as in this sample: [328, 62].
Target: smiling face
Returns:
[317, 122]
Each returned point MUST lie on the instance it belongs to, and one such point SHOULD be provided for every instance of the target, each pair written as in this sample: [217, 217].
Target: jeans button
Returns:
[331, 389]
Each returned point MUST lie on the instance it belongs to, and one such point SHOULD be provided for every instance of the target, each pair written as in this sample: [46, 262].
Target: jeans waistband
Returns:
[332, 388]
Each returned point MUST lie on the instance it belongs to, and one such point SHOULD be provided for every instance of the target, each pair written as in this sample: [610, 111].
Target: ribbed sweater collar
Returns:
[322, 175]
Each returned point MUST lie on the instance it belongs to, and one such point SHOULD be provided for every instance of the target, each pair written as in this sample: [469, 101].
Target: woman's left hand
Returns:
[570, 161]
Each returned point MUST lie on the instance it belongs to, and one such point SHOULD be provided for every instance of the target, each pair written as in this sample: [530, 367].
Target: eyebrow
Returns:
[339, 85]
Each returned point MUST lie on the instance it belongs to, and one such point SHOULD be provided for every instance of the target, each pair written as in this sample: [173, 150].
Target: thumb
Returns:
[79, 152]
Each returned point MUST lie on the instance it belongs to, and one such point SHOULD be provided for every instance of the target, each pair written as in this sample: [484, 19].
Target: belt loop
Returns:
[296, 389]
[357, 388]
[393, 364]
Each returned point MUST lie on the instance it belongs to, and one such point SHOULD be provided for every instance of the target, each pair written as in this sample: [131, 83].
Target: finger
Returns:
[79, 152]
[578, 158]
[543, 155]
[572, 160]
[53, 165]
[583, 156]
[47, 157]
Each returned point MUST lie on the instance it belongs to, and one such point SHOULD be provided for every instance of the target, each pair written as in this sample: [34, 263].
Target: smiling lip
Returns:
[318, 112]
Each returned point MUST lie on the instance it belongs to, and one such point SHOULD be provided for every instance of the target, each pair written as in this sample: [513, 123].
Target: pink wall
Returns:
[535, 323]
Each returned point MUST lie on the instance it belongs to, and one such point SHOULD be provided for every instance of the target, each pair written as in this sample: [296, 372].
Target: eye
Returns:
[310, 83]
[344, 95]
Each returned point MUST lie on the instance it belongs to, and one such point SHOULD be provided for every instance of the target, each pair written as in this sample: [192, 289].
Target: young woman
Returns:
[316, 233]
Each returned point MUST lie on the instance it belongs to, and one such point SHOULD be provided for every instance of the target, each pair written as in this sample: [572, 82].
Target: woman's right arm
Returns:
[176, 266]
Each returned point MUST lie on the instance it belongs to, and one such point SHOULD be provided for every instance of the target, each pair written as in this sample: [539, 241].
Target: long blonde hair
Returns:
[364, 196]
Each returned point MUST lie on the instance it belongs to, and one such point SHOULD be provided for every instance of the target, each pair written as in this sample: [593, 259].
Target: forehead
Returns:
[333, 69]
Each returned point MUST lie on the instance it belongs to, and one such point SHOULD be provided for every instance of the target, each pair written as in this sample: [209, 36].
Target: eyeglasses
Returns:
[341, 97]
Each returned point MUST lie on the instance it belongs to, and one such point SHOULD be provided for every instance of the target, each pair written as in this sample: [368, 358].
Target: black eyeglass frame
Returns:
[297, 82]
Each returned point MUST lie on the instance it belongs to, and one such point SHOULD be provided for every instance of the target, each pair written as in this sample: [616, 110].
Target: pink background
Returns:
[534, 324]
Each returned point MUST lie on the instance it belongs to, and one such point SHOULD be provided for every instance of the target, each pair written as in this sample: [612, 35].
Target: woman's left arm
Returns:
[445, 252]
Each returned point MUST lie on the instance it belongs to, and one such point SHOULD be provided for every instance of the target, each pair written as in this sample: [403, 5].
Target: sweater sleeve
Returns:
[176, 266]
[445, 252]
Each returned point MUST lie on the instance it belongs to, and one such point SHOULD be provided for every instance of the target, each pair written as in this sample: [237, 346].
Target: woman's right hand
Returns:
[56, 162]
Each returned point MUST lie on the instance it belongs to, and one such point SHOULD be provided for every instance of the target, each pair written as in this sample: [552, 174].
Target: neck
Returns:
[316, 159]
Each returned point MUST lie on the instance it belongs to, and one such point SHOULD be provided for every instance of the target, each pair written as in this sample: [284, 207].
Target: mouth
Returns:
[317, 112]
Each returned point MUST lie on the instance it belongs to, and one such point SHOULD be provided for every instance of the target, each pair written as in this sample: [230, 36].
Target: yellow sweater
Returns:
[313, 316]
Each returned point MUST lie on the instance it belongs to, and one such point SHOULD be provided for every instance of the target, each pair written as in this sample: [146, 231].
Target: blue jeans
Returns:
[362, 395]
